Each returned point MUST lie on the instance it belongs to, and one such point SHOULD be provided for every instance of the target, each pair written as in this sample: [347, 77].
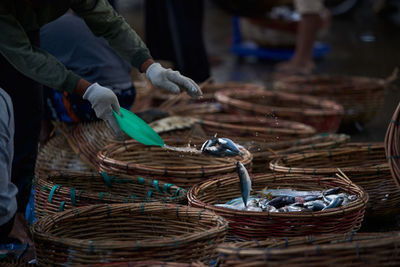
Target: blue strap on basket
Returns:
[141, 180]
[62, 204]
[155, 183]
[167, 187]
[52, 191]
[107, 179]
[72, 194]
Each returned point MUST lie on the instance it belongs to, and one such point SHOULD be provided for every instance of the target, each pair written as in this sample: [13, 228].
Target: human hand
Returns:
[172, 80]
[104, 102]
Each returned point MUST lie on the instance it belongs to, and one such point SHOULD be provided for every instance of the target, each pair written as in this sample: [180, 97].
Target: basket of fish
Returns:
[111, 233]
[361, 97]
[270, 205]
[55, 193]
[56, 156]
[354, 249]
[181, 165]
[323, 115]
[365, 164]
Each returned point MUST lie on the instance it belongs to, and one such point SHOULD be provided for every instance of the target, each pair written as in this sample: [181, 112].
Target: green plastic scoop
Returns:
[136, 128]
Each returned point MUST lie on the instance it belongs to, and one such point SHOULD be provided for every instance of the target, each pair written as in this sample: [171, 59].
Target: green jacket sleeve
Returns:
[30, 60]
[104, 21]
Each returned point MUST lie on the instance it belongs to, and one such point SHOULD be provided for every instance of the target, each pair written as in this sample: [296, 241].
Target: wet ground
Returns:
[362, 44]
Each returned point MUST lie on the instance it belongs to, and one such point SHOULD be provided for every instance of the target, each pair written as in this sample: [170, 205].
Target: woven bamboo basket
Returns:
[58, 157]
[238, 127]
[261, 225]
[324, 115]
[264, 138]
[361, 249]
[57, 193]
[148, 263]
[361, 97]
[128, 232]
[87, 139]
[183, 169]
[392, 146]
[364, 163]
[263, 153]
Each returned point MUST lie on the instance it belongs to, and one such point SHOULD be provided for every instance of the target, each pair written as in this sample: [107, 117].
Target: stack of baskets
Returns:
[365, 164]
[112, 233]
[324, 115]
[361, 97]
[184, 167]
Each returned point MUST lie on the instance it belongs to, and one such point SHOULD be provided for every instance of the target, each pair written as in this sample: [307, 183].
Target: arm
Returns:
[104, 21]
[32, 61]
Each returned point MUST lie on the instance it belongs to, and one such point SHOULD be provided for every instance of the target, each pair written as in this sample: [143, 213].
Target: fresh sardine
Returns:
[315, 205]
[245, 181]
[289, 192]
[281, 201]
[334, 203]
[210, 142]
[228, 144]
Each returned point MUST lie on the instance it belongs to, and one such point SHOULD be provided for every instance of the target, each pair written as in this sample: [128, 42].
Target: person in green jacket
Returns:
[24, 67]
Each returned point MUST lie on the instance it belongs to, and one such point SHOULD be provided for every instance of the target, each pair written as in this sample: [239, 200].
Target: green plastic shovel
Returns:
[136, 128]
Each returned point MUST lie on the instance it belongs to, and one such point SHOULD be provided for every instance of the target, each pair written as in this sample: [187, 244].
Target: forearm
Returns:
[104, 21]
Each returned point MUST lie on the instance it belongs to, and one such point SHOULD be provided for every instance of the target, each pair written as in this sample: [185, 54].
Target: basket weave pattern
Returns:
[372, 249]
[324, 115]
[128, 232]
[361, 97]
[261, 225]
[180, 168]
[57, 193]
[363, 163]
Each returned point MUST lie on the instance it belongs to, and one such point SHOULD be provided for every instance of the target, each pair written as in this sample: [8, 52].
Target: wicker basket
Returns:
[147, 264]
[57, 156]
[88, 138]
[180, 168]
[392, 146]
[364, 163]
[57, 193]
[242, 129]
[362, 249]
[128, 232]
[261, 225]
[324, 115]
[361, 97]
[263, 153]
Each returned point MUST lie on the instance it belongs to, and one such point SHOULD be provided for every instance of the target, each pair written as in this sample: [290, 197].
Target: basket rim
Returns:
[356, 205]
[104, 156]
[277, 165]
[307, 248]
[177, 193]
[326, 107]
[391, 146]
[219, 225]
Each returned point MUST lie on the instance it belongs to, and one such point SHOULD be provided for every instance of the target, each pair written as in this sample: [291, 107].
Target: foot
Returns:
[295, 67]
[20, 230]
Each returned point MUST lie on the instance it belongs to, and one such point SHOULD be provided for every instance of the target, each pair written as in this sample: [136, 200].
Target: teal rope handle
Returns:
[167, 187]
[107, 179]
[53, 189]
[72, 194]
[62, 204]
[155, 183]
[141, 180]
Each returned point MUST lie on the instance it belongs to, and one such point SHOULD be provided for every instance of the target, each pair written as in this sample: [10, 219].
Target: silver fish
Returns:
[245, 181]
[315, 205]
[334, 203]
[210, 142]
[219, 151]
[289, 192]
[228, 144]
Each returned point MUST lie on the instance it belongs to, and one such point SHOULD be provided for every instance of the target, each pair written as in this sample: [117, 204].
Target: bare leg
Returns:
[302, 62]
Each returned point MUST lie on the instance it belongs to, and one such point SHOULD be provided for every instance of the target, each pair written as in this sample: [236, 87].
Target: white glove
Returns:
[104, 101]
[171, 80]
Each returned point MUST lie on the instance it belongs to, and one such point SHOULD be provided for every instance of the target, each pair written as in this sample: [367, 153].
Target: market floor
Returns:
[362, 44]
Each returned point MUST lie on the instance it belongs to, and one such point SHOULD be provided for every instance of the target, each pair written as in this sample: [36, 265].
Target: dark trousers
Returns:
[174, 32]
[27, 99]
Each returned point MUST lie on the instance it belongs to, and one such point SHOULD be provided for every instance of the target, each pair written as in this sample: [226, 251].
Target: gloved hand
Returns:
[171, 80]
[104, 101]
